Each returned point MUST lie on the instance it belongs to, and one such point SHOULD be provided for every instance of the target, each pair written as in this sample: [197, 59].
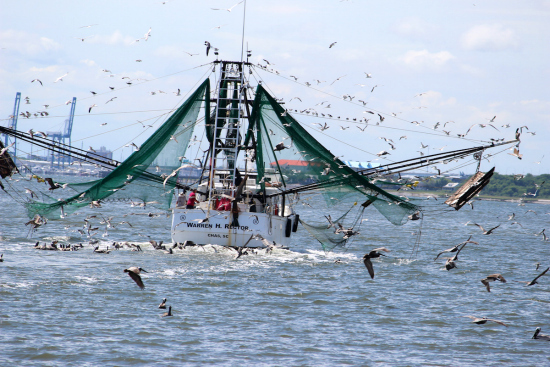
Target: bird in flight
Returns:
[337, 79]
[60, 79]
[134, 272]
[483, 320]
[148, 34]
[492, 278]
[456, 248]
[231, 8]
[371, 255]
[516, 153]
[486, 232]
[534, 281]
[37, 80]
[332, 44]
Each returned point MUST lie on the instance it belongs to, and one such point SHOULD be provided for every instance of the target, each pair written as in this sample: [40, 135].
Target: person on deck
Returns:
[192, 200]
[181, 200]
[225, 204]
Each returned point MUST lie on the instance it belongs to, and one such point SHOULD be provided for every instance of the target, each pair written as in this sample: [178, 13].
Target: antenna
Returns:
[242, 39]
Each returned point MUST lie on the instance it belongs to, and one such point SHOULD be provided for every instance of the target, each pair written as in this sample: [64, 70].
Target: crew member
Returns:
[192, 200]
[181, 200]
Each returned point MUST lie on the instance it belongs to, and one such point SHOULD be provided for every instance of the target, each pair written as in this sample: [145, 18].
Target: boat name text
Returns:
[217, 225]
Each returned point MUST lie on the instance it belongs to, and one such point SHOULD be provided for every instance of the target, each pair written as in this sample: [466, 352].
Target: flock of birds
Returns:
[321, 110]
[451, 264]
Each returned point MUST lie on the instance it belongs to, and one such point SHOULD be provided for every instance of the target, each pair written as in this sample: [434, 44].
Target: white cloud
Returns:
[424, 60]
[88, 62]
[26, 43]
[283, 9]
[414, 27]
[114, 39]
[472, 70]
[170, 51]
[490, 38]
[47, 69]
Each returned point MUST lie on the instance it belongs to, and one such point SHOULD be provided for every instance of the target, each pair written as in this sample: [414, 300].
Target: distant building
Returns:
[359, 166]
[104, 152]
[450, 186]
[296, 164]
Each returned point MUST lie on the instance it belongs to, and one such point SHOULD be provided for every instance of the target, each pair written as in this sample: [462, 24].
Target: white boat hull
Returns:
[189, 225]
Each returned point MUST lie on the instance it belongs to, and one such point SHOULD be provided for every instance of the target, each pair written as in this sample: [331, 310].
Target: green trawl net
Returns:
[139, 177]
[288, 152]
[327, 236]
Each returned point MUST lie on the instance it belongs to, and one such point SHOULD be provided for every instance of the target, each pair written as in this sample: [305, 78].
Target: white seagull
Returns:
[231, 8]
[60, 79]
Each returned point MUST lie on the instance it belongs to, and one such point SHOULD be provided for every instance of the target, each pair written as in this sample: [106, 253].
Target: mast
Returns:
[226, 129]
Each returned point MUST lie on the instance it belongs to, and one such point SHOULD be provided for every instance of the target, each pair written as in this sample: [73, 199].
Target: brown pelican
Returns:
[534, 281]
[487, 232]
[538, 335]
[492, 278]
[483, 320]
[169, 313]
[455, 248]
[371, 255]
[450, 264]
[134, 272]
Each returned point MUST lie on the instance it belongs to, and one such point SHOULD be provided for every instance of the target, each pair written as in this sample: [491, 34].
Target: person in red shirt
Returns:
[225, 204]
[192, 200]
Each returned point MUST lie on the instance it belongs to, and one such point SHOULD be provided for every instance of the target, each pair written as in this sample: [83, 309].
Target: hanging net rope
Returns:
[140, 177]
[328, 233]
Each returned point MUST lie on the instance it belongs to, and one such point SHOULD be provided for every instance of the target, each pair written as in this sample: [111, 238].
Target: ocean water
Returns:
[294, 307]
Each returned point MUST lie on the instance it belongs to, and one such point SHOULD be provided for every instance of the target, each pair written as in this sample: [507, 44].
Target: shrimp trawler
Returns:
[259, 165]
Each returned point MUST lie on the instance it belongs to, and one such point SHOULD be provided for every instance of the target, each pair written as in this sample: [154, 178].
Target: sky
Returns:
[459, 63]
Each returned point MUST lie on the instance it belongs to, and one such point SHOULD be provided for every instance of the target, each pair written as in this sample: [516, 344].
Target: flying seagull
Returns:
[337, 79]
[60, 79]
[231, 8]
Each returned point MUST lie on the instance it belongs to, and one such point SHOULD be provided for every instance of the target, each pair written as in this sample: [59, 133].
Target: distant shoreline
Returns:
[481, 197]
